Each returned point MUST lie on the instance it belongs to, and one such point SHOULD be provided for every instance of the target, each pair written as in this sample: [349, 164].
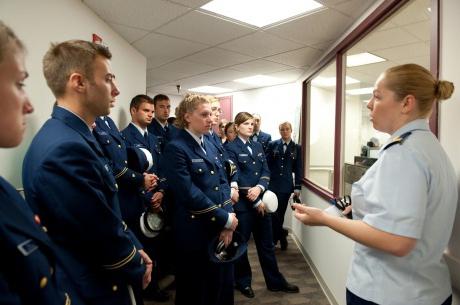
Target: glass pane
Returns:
[402, 38]
[321, 128]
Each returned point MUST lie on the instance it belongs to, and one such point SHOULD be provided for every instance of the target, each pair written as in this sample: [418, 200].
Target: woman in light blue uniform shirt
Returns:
[404, 206]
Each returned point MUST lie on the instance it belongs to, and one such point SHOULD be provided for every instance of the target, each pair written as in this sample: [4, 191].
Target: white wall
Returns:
[275, 104]
[38, 23]
[449, 114]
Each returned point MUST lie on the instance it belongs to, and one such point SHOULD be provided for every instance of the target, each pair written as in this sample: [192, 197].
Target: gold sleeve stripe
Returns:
[227, 202]
[162, 179]
[121, 173]
[122, 262]
[265, 177]
[204, 211]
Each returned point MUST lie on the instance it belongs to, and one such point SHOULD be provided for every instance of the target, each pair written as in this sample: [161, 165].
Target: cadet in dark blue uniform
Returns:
[258, 135]
[203, 208]
[160, 127]
[284, 159]
[132, 185]
[68, 181]
[136, 135]
[29, 263]
[252, 179]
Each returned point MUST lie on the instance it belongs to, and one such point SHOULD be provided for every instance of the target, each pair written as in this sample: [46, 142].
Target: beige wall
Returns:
[38, 23]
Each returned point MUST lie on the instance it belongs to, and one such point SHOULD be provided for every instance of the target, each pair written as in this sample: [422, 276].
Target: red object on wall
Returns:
[97, 39]
[226, 105]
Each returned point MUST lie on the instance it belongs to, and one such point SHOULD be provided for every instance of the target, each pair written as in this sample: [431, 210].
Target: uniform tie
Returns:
[248, 146]
[146, 138]
[166, 128]
[202, 145]
[284, 147]
[107, 123]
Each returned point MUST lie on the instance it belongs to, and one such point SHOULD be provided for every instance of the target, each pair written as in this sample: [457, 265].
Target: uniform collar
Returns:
[197, 138]
[420, 124]
[142, 131]
[162, 125]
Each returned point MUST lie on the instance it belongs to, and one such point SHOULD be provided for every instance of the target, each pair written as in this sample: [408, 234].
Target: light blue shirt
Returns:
[410, 191]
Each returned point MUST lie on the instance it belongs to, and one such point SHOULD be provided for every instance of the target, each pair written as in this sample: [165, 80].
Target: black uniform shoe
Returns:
[156, 295]
[283, 243]
[289, 288]
[247, 291]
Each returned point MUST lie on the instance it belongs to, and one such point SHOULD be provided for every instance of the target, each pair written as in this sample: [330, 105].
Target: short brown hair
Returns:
[68, 57]
[159, 97]
[412, 79]
[8, 39]
[138, 100]
[242, 117]
[188, 105]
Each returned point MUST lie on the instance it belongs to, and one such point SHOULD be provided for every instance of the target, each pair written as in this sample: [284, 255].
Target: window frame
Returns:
[384, 11]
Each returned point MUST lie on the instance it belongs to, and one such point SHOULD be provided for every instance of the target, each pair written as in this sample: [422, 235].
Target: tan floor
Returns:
[292, 264]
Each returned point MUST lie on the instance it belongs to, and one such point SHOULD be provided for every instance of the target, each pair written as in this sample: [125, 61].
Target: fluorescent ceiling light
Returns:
[360, 91]
[261, 12]
[260, 80]
[330, 81]
[209, 89]
[363, 59]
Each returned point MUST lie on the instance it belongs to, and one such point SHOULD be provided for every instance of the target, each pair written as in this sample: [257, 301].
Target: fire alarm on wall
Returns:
[97, 39]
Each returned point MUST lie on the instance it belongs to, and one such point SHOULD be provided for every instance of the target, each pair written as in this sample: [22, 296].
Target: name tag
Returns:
[102, 133]
[197, 160]
[259, 154]
[243, 155]
[27, 247]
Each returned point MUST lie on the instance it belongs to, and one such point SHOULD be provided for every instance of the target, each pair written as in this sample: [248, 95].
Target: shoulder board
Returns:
[398, 140]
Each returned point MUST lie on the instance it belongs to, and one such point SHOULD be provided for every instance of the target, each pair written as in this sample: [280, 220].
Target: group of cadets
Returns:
[87, 186]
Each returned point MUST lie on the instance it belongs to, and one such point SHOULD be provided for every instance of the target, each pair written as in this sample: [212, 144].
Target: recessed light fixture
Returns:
[360, 91]
[261, 13]
[209, 89]
[330, 81]
[363, 59]
[260, 80]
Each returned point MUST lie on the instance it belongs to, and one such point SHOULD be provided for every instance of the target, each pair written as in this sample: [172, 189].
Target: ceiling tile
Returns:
[215, 77]
[128, 33]
[177, 70]
[190, 3]
[142, 14]
[260, 66]
[218, 57]
[387, 39]
[200, 27]
[160, 45]
[421, 30]
[415, 11]
[297, 58]
[353, 8]
[290, 75]
[405, 51]
[260, 44]
[315, 28]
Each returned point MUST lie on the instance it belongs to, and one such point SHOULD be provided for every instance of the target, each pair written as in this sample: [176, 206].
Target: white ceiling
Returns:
[186, 46]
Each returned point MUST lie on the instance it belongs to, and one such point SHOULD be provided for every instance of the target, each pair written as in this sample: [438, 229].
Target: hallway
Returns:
[294, 268]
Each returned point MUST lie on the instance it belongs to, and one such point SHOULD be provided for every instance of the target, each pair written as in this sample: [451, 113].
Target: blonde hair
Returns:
[412, 79]
[68, 57]
[285, 124]
[8, 39]
[242, 117]
[188, 105]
